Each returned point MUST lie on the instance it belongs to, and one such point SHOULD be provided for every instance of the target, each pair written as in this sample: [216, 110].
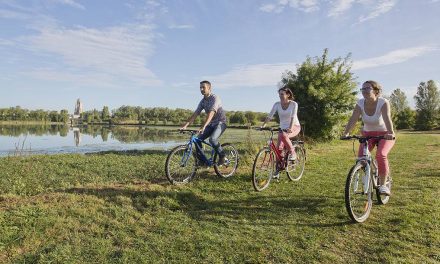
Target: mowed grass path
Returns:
[118, 208]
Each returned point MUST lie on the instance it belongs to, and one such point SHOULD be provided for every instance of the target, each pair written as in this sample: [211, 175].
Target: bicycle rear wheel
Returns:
[180, 166]
[381, 198]
[358, 201]
[228, 168]
[263, 169]
[295, 169]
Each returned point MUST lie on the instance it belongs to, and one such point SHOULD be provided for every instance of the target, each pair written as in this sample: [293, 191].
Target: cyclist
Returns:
[215, 123]
[287, 110]
[376, 116]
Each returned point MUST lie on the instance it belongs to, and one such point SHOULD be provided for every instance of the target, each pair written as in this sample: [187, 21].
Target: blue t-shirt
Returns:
[212, 103]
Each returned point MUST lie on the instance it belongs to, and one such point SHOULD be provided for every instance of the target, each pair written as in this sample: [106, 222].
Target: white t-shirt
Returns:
[287, 115]
[374, 122]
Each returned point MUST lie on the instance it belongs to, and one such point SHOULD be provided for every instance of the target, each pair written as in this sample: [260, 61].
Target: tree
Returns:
[401, 113]
[427, 105]
[324, 90]
[105, 113]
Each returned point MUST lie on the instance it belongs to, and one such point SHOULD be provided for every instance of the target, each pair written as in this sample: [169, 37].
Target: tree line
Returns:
[19, 114]
[163, 116]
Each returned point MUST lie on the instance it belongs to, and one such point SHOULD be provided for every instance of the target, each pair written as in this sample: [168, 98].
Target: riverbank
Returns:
[118, 207]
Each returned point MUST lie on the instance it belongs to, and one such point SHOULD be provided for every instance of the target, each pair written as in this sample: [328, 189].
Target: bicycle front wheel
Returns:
[358, 199]
[180, 166]
[295, 168]
[228, 168]
[263, 169]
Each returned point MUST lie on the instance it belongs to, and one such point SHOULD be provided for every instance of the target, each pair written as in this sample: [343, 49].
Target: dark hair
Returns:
[207, 82]
[287, 91]
[376, 86]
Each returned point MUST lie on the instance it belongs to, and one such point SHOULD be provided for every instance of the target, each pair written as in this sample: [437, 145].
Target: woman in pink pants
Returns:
[376, 116]
[287, 110]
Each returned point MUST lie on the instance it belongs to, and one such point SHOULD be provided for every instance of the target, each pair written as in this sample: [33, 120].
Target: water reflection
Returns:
[65, 139]
[126, 134]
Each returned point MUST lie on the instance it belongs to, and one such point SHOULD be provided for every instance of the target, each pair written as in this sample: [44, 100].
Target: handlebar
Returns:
[189, 131]
[364, 138]
[271, 129]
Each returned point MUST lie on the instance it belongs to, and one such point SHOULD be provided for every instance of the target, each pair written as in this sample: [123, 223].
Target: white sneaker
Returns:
[384, 190]
[276, 175]
[292, 157]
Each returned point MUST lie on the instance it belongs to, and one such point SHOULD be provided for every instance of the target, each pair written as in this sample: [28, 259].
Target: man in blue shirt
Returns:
[215, 123]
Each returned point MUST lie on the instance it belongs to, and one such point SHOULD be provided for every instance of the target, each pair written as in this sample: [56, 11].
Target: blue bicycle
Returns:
[184, 160]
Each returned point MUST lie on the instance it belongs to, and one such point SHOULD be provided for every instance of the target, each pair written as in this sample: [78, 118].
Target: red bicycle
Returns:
[269, 162]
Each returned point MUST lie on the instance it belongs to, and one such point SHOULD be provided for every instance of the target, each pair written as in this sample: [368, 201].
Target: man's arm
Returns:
[207, 121]
[190, 120]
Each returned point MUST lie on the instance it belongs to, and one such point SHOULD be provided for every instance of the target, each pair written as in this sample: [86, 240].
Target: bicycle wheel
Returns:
[295, 169]
[180, 166]
[381, 198]
[358, 202]
[228, 168]
[263, 169]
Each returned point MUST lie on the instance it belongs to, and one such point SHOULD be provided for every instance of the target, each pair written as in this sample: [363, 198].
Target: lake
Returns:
[54, 139]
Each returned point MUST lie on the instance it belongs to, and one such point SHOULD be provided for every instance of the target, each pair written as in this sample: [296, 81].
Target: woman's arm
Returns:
[353, 119]
[386, 114]
[270, 116]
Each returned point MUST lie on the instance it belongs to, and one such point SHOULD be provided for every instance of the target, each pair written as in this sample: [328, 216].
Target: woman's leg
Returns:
[383, 148]
[284, 139]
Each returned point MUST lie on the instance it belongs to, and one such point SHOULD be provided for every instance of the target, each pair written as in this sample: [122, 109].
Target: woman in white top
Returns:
[287, 110]
[376, 116]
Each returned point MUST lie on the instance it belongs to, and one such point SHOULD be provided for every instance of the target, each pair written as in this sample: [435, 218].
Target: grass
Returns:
[118, 208]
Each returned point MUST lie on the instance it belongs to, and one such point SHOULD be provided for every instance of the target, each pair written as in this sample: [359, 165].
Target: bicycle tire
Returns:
[227, 169]
[381, 198]
[295, 170]
[358, 211]
[263, 169]
[179, 167]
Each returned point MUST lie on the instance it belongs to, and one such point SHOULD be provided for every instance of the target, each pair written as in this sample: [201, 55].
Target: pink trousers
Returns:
[383, 147]
[284, 139]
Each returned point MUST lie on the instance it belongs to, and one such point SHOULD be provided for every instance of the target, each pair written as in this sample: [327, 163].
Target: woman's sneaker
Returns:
[292, 157]
[384, 190]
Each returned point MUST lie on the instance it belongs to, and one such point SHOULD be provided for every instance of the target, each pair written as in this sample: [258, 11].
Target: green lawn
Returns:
[118, 208]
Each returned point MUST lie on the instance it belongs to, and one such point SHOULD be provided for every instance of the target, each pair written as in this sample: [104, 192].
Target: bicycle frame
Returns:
[194, 140]
[278, 155]
[366, 160]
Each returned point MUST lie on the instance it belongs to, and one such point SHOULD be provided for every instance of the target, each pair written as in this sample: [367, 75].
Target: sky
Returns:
[154, 53]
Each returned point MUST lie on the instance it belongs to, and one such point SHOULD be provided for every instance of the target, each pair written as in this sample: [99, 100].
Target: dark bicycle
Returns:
[269, 159]
[184, 160]
[361, 180]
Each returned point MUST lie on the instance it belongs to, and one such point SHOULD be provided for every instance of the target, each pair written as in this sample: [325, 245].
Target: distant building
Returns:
[78, 109]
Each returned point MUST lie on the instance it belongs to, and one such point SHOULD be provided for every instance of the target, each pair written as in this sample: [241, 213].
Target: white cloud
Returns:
[117, 51]
[393, 57]
[339, 7]
[12, 14]
[303, 5]
[71, 3]
[336, 8]
[187, 26]
[381, 8]
[251, 75]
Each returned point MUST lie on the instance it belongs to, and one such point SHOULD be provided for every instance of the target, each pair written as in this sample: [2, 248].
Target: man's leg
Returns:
[199, 148]
[217, 132]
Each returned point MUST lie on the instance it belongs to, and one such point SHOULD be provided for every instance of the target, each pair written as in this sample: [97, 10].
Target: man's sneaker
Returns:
[221, 159]
[384, 190]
